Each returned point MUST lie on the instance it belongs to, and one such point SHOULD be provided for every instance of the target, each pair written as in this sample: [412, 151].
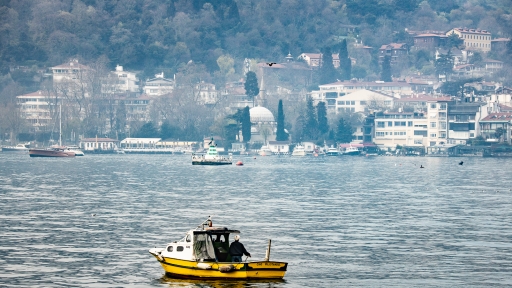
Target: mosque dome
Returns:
[261, 114]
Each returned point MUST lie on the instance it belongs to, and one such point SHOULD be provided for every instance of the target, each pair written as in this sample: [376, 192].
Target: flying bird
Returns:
[271, 63]
[461, 162]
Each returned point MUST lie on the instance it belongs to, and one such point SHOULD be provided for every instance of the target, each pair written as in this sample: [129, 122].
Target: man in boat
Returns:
[237, 249]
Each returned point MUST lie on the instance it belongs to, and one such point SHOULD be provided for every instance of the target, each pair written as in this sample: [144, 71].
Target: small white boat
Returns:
[332, 151]
[76, 149]
[265, 151]
[17, 148]
[351, 151]
[299, 150]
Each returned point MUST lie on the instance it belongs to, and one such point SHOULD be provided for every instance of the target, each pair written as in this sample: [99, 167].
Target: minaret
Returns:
[262, 100]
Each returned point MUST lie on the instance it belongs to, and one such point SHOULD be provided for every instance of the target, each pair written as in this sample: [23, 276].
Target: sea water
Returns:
[338, 221]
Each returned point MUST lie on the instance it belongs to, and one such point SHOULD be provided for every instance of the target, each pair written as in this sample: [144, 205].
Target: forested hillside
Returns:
[161, 35]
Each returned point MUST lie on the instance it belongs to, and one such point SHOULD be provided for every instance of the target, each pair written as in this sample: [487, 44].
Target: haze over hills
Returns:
[208, 40]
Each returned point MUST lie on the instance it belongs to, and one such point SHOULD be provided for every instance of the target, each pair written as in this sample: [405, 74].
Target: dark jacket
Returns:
[237, 249]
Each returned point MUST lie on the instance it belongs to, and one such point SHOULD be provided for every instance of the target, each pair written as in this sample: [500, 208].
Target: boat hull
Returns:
[210, 163]
[246, 270]
[49, 153]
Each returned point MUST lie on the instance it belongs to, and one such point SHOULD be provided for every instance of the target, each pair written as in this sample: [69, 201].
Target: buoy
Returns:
[239, 163]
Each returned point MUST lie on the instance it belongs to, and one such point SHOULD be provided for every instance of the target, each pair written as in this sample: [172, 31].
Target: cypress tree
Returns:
[251, 86]
[327, 70]
[321, 112]
[386, 70]
[246, 124]
[281, 135]
[344, 132]
[345, 62]
[311, 129]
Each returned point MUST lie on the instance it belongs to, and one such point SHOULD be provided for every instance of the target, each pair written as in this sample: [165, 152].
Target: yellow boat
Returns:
[203, 254]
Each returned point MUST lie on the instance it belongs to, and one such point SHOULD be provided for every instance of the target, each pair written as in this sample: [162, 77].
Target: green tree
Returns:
[167, 131]
[327, 71]
[386, 70]
[281, 135]
[444, 64]
[147, 130]
[453, 41]
[344, 131]
[251, 86]
[246, 124]
[345, 62]
[311, 127]
[299, 128]
[359, 72]
[323, 123]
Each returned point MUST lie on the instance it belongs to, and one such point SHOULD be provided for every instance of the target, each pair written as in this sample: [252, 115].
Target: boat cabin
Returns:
[208, 245]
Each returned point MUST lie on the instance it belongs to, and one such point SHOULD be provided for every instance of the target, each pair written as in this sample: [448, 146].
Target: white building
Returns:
[70, 71]
[329, 92]
[158, 86]
[206, 92]
[120, 81]
[99, 144]
[362, 101]
[400, 128]
[35, 109]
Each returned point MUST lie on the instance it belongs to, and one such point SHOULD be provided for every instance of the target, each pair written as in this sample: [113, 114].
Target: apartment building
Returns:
[474, 39]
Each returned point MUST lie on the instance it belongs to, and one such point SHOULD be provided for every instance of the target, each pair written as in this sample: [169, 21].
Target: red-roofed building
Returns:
[396, 51]
[428, 41]
[492, 124]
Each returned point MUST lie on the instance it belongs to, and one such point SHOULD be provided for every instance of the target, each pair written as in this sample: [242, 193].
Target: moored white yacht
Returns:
[299, 150]
[265, 151]
[332, 151]
[351, 151]
[75, 149]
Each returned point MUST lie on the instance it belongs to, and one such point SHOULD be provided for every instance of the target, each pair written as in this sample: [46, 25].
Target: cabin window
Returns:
[179, 248]
[169, 249]
[188, 238]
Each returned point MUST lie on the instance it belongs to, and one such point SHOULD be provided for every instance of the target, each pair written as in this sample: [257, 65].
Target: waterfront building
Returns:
[463, 121]
[99, 145]
[497, 127]
[400, 128]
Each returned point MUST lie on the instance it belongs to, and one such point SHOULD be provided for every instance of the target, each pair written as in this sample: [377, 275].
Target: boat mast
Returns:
[60, 124]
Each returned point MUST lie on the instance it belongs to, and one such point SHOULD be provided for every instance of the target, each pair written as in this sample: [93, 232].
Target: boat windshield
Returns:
[203, 247]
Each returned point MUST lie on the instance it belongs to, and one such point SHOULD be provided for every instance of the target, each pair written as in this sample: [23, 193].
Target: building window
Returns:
[433, 135]
[433, 105]
[443, 125]
[433, 124]
[362, 102]
[341, 102]
[379, 134]
[381, 124]
[390, 123]
[409, 123]
[352, 102]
